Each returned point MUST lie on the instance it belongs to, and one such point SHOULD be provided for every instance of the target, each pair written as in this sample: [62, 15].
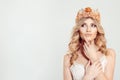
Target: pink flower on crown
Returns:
[88, 12]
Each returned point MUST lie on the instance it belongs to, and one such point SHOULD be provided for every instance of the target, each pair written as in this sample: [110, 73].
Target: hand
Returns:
[93, 70]
[90, 50]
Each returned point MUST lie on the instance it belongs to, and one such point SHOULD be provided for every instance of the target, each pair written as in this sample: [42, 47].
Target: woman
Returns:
[88, 57]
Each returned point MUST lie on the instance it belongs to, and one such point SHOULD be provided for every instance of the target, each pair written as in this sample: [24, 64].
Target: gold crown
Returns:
[88, 12]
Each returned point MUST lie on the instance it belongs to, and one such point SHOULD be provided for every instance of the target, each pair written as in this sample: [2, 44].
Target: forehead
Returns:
[88, 20]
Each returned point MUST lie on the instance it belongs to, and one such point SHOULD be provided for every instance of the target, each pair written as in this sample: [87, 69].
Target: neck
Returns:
[91, 42]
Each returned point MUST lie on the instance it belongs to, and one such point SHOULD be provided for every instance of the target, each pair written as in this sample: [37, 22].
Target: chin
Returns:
[89, 39]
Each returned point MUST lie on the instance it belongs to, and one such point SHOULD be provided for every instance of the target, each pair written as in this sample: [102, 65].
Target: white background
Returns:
[34, 35]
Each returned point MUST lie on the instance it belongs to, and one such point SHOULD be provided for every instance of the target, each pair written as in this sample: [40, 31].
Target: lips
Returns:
[88, 34]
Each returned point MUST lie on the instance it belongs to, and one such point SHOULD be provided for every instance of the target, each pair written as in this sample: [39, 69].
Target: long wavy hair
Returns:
[76, 41]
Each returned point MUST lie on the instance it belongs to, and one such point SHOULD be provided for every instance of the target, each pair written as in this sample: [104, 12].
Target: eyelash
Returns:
[93, 25]
[83, 25]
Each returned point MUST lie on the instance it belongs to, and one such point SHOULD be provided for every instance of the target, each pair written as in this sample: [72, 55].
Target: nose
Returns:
[88, 29]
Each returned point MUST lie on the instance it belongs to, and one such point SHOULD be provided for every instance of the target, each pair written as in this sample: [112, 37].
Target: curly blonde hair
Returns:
[76, 41]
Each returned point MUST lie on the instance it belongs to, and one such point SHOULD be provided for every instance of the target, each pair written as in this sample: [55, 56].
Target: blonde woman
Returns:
[88, 57]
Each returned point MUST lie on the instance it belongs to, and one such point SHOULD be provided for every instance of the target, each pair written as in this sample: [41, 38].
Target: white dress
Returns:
[78, 70]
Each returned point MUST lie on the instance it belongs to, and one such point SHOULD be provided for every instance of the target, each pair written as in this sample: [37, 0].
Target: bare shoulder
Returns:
[111, 53]
[67, 56]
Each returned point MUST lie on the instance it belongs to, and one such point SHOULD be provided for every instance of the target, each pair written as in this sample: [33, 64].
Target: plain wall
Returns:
[34, 35]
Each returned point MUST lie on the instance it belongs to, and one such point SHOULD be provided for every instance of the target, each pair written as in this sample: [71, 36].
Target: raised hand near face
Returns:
[90, 50]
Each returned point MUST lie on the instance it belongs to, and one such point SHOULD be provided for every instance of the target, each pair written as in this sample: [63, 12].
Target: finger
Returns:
[96, 62]
[98, 66]
[86, 45]
[100, 69]
[86, 40]
[88, 64]
[85, 51]
[86, 54]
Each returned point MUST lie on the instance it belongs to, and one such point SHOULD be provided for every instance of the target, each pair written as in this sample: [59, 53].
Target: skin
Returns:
[88, 32]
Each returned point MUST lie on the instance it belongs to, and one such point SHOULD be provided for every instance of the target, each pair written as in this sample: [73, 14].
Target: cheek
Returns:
[94, 35]
[82, 30]
[82, 35]
[94, 31]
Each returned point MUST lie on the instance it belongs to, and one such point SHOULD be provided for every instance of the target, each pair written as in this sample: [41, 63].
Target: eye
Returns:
[83, 25]
[93, 25]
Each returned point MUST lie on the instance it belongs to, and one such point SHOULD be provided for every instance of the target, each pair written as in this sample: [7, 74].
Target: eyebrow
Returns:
[90, 23]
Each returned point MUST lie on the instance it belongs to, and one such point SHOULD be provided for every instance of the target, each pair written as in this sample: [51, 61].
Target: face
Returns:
[88, 30]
